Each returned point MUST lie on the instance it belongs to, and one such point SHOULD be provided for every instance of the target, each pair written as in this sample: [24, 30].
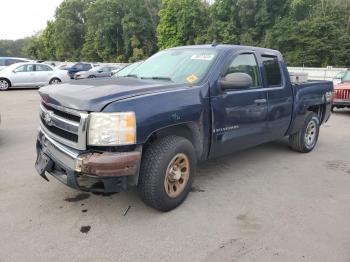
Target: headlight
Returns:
[112, 129]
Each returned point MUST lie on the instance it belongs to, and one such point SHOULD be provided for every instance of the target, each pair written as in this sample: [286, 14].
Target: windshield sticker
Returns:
[203, 57]
[191, 79]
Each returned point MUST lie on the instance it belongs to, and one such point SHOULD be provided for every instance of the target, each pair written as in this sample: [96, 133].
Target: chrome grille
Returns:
[65, 125]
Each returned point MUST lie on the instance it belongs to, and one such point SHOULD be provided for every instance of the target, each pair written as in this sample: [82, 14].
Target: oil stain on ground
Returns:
[85, 229]
[77, 198]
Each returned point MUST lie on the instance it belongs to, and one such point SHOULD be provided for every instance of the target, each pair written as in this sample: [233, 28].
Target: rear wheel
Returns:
[306, 139]
[4, 84]
[55, 81]
[167, 171]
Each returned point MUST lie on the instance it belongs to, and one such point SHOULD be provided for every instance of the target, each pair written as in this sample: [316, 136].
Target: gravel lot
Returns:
[263, 204]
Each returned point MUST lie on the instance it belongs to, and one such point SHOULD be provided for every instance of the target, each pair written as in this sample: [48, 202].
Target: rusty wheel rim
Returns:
[177, 175]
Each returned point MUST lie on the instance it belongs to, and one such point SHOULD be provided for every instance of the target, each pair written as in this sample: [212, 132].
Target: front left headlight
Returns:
[112, 129]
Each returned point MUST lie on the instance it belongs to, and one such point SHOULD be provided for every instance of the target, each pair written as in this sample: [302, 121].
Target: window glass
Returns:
[2, 62]
[79, 67]
[43, 68]
[177, 65]
[346, 77]
[24, 68]
[87, 67]
[272, 70]
[246, 63]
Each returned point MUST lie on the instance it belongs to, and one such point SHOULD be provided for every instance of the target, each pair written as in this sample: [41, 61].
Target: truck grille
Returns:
[65, 125]
[342, 94]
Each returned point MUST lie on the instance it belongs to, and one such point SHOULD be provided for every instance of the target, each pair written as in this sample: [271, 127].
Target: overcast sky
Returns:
[21, 18]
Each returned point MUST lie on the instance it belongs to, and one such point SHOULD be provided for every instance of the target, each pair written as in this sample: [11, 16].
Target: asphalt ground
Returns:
[264, 204]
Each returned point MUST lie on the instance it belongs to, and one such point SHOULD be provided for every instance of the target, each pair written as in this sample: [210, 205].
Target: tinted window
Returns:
[25, 68]
[272, 70]
[246, 63]
[43, 68]
[79, 67]
[87, 67]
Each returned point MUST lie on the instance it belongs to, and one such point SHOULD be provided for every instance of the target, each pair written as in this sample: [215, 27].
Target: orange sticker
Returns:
[191, 79]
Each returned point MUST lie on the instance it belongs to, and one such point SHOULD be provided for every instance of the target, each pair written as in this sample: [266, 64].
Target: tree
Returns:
[70, 30]
[182, 22]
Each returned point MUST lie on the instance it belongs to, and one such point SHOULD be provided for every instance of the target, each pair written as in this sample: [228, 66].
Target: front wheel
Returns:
[55, 81]
[167, 171]
[306, 139]
[4, 85]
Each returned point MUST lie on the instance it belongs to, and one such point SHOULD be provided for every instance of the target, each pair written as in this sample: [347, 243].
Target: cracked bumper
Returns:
[104, 172]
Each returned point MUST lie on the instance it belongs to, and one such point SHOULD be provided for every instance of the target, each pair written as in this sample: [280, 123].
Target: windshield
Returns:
[346, 77]
[127, 70]
[177, 65]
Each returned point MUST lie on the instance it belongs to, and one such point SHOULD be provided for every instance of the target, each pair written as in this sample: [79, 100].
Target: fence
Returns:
[314, 73]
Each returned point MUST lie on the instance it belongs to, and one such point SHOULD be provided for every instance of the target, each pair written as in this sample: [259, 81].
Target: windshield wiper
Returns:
[158, 78]
[131, 76]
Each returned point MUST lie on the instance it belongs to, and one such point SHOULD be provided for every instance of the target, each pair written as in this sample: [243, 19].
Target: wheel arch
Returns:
[5, 78]
[191, 131]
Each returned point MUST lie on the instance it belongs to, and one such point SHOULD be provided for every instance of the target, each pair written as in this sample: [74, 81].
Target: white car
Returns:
[31, 75]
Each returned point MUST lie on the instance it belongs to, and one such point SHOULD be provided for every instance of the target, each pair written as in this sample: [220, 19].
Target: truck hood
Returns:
[342, 86]
[93, 95]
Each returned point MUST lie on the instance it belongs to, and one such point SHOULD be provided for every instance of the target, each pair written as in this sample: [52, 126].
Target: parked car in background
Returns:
[96, 72]
[119, 68]
[342, 92]
[7, 61]
[30, 75]
[78, 67]
[128, 69]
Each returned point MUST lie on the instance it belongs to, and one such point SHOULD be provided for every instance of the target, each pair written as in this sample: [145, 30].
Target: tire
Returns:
[159, 163]
[55, 81]
[306, 139]
[4, 84]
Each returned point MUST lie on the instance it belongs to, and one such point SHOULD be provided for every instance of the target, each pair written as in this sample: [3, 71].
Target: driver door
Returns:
[240, 115]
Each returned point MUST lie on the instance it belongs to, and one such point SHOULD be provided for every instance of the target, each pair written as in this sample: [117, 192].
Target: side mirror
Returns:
[14, 71]
[100, 71]
[235, 81]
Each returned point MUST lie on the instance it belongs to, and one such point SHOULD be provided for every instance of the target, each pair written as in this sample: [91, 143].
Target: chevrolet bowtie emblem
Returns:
[48, 118]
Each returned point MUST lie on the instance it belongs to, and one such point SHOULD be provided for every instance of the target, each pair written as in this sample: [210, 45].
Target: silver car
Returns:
[30, 75]
[100, 71]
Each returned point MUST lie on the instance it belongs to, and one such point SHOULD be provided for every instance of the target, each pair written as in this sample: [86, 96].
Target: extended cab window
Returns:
[272, 71]
[246, 63]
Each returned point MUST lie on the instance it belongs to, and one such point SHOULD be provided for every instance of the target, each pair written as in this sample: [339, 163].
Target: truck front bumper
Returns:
[340, 103]
[101, 172]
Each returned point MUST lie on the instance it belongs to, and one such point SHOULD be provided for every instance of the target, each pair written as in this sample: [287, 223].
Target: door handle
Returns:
[260, 101]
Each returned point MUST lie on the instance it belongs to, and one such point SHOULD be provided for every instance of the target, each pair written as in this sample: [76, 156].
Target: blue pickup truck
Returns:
[183, 105]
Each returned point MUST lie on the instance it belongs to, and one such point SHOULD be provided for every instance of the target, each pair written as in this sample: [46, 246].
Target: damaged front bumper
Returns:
[101, 172]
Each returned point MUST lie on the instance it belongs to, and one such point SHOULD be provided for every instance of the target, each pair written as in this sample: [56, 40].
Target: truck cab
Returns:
[183, 105]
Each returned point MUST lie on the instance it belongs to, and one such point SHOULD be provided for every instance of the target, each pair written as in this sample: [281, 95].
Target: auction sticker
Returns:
[191, 79]
[203, 57]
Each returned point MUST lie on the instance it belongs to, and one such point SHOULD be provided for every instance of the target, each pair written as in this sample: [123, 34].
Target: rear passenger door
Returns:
[240, 116]
[43, 74]
[280, 96]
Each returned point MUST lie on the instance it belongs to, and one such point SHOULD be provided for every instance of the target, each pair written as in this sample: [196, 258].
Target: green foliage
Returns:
[12, 48]
[307, 32]
[182, 22]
